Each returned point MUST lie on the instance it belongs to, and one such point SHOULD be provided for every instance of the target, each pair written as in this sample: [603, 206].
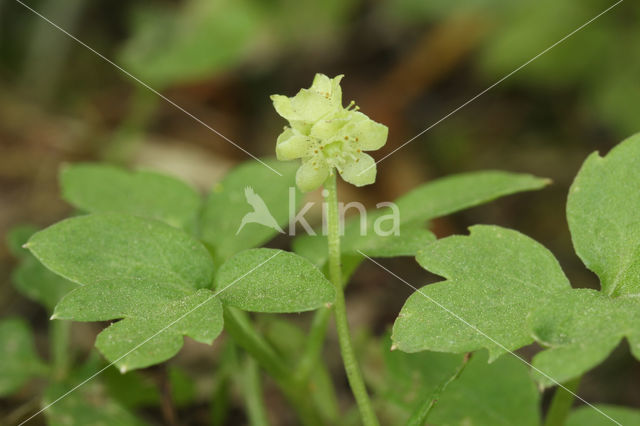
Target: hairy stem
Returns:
[561, 403]
[335, 273]
[60, 359]
[253, 394]
[419, 417]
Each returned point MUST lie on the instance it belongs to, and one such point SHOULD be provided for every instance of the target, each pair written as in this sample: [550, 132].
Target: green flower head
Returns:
[327, 136]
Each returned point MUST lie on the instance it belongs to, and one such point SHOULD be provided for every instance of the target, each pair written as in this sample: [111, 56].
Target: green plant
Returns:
[148, 254]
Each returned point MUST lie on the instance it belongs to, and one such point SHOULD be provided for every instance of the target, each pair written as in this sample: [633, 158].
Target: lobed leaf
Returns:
[269, 280]
[581, 327]
[230, 200]
[584, 326]
[144, 271]
[503, 277]
[603, 211]
[99, 188]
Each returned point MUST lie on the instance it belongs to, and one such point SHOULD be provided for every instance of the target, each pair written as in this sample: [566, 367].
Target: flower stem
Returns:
[335, 273]
[561, 404]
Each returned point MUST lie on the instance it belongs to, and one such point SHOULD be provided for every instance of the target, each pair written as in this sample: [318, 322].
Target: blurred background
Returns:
[408, 63]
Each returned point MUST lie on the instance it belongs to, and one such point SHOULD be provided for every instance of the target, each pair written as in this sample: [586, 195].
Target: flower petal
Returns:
[327, 129]
[368, 134]
[282, 104]
[310, 176]
[329, 87]
[309, 105]
[361, 171]
[292, 145]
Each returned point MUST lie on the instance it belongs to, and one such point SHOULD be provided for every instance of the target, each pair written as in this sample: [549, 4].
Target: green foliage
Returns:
[508, 290]
[98, 188]
[19, 360]
[503, 276]
[141, 270]
[268, 280]
[584, 326]
[227, 204]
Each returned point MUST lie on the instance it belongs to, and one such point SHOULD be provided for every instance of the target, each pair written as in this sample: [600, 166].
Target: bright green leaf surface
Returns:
[268, 280]
[582, 327]
[495, 277]
[587, 416]
[18, 359]
[251, 187]
[198, 316]
[454, 193]
[98, 188]
[603, 211]
[141, 270]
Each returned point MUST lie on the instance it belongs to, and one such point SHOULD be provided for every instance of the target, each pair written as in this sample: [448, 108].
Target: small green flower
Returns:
[325, 135]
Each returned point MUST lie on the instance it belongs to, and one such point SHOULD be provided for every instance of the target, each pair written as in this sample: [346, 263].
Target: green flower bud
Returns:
[327, 136]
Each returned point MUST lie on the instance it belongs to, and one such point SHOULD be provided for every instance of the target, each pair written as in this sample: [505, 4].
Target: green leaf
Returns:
[495, 276]
[160, 331]
[420, 205]
[230, 200]
[484, 394]
[144, 271]
[19, 361]
[99, 188]
[603, 211]
[454, 193]
[276, 281]
[587, 416]
[583, 326]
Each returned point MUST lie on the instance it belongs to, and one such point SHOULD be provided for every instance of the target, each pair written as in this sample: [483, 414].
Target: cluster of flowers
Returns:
[327, 136]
